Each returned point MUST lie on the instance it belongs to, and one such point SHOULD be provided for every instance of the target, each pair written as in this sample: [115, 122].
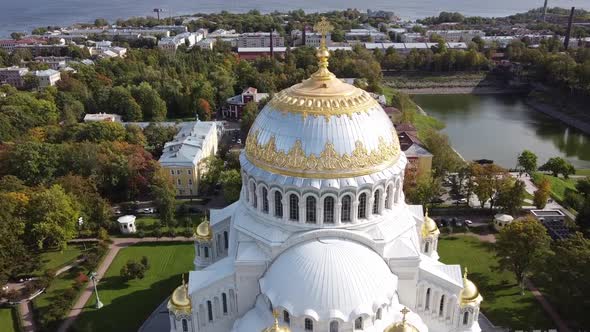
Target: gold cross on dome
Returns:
[404, 312]
[323, 27]
[465, 273]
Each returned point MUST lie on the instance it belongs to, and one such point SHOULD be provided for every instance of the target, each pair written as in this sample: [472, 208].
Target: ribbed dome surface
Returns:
[329, 278]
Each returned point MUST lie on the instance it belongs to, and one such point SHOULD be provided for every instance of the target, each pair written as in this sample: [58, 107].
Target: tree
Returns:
[527, 161]
[486, 181]
[204, 110]
[52, 216]
[424, 191]
[566, 282]
[100, 22]
[121, 102]
[164, 194]
[34, 163]
[157, 135]
[541, 195]
[212, 167]
[444, 159]
[510, 197]
[152, 106]
[558, 165]
[133, 270]
[99, 131]
[583, 187]
[231, 182]
[520, 246]
[249, 114]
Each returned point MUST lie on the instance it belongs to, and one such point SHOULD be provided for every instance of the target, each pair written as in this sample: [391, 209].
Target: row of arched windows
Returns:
[216, 309]
[334, 325]
[308, 211]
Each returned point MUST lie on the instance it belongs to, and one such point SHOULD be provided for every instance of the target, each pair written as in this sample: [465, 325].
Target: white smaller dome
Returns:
[329, 278]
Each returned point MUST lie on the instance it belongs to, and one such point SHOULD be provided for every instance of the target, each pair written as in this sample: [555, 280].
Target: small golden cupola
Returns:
[204, 233]
[276, 327]
[402, 326]
[429, 226]
[180, 301]
[470, 294]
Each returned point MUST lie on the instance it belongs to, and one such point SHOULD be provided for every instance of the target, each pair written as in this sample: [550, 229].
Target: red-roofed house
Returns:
[235, 105]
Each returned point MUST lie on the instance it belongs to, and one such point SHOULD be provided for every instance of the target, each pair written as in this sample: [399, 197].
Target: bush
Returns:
[140, 234]
[172, 233]
[133, 270]
[187, 233]
[145, 262]
[157, 233]
[103, 235]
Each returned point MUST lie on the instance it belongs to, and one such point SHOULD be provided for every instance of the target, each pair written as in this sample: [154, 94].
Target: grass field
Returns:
[583, 171]
[7, 323]
[502, 304]
[54, 259]
[128, 304]
[558, 185]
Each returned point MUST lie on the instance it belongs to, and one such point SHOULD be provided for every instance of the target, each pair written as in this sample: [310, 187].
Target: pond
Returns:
[500, 127]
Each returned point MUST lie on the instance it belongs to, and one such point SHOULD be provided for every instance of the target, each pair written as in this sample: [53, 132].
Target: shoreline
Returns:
[554, 113]
[462, 91]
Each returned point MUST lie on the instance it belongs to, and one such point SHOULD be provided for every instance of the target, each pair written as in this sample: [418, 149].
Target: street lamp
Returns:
[93, 277]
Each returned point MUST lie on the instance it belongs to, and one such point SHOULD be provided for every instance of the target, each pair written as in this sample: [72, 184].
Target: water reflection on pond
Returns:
[499, 127]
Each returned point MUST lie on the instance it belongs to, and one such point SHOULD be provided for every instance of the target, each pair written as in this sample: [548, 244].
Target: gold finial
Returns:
[275, 314]
[183, 279]
[426, 213]
[404, 312]
[323, 27]
[465, 273]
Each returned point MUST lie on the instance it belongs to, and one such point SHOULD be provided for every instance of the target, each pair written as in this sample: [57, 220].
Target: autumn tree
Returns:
[541, 195]
[511, 195]
[204, 110]
[163, 194]
[424, 190]
[520, 246]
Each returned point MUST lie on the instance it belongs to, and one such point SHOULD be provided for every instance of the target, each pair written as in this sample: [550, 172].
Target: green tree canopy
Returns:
[527, 161]
[558, 165]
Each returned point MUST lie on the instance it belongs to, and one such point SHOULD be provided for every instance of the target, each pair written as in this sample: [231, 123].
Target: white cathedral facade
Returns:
[321, 234]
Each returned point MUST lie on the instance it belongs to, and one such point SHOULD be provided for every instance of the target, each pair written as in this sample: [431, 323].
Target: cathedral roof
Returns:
[329, 278]
[322, 128]
[470, 293]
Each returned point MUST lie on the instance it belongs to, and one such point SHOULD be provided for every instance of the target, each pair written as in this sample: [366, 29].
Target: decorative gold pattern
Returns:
[329, 164]
[469, 294]
[287, 101]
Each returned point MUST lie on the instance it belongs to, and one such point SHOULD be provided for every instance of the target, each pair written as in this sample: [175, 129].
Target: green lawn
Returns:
[583, 171]
[149, 223]
[7, 323]
[502, 304]
[558, 185]
[128, 305]
[54, 259]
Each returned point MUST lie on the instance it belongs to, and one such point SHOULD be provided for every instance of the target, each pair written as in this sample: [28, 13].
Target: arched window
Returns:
[426, 247]
[254, 197]
[333, 326]
[286, 317]
[278, 204]
[293, 207]
[388, 196]
[184, 325]
[466, 318]
[358, 323]
[427, 302]
[379, 313]
[201, 316]
[264, 200]
[308, 324]
[441, 306]
[226, 239]
[310, 209]
[376, 197]
[346, 207]
[224, 303]
[210, 311]
[362, 210]
[329, 210]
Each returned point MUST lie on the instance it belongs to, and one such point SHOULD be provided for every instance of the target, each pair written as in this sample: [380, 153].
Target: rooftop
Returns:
[186, 147]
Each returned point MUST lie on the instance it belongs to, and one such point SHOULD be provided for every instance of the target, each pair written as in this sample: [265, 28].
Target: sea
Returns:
[24, 15]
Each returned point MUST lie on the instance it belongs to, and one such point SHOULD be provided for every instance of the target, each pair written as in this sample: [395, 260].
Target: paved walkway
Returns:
[25, 310]
[531, 188]
[561, 326]
[118, 244]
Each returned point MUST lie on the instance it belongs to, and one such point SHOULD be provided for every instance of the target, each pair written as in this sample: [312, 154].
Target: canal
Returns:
[499, 127]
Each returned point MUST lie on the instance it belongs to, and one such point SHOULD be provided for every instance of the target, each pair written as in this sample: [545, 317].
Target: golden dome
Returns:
[204, 232]
[402, 326]
[275, 327]
[318, 128]
[180, 300]
[429, 226]
[469, 293]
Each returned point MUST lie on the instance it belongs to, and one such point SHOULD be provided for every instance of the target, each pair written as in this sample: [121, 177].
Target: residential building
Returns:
[456, 35]
[412, 37]
[554, 221]
[183, 156]
[251, 53]
[369, 34]
[419, 158]
[260, 39]
[235, 105]
[13, 75]
[54, 62]
[47, 77]
[308, 38]
[171, 44]
[102, 117]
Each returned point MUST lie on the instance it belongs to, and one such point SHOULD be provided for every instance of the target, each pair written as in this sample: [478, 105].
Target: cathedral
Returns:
[321, 238]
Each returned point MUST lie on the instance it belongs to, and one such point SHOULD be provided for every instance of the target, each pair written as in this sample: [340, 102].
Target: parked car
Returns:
[148, 210]
[468, 222]
[239, 141]
[462, 200]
